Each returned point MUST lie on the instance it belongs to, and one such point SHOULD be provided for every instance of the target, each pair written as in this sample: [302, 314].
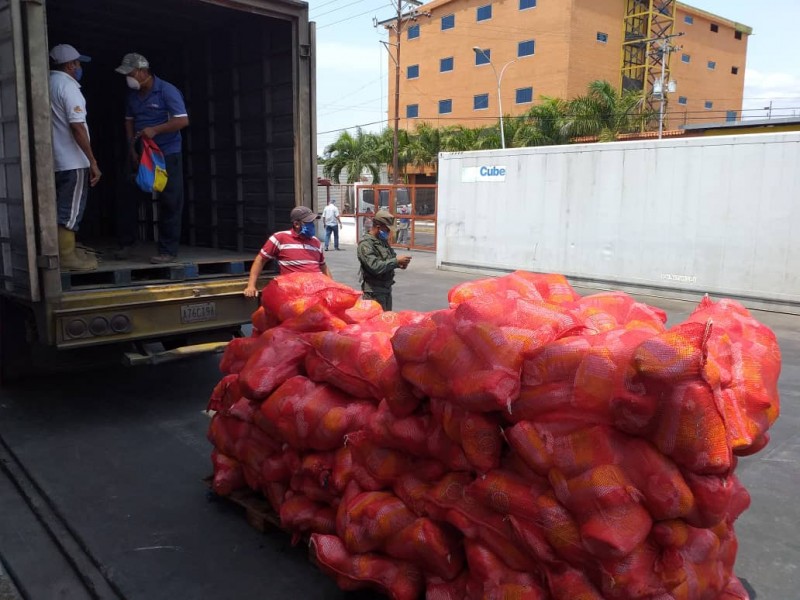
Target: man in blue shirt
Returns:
[155, 110]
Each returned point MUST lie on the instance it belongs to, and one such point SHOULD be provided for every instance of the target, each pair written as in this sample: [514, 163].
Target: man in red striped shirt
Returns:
[296, 250]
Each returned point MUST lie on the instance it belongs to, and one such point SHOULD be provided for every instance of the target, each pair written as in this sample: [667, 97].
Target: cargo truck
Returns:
[246, 69]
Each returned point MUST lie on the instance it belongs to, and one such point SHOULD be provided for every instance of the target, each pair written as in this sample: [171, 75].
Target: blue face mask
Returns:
[308, 230]
[78, 73]
[383, 235]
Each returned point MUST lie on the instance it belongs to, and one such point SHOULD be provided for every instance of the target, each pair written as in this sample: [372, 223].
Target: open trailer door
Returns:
[18, 262]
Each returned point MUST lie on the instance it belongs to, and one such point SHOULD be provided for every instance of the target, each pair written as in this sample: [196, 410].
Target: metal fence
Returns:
[414, 207]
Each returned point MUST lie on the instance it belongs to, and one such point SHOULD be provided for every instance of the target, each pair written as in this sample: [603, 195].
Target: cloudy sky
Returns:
[352, 63]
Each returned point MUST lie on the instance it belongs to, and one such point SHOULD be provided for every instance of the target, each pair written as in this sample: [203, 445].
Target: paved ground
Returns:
[114, 460]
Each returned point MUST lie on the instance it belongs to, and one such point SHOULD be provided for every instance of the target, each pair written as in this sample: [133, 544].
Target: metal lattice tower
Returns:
[649, 24]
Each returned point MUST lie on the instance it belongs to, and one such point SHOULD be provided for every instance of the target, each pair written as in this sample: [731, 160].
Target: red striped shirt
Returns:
[294, 252]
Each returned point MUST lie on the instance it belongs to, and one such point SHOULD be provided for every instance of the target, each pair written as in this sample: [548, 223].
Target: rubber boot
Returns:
[70, 260]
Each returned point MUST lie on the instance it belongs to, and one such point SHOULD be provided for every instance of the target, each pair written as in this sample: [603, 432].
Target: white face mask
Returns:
[133, 83]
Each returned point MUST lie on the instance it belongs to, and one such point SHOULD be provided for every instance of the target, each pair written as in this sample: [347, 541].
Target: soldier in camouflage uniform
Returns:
[378, 260]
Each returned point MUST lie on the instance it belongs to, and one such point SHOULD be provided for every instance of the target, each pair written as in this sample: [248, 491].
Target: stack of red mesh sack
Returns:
[524, 443]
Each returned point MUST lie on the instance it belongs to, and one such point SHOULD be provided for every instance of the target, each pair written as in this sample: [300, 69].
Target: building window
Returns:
[524, 95]
[602, 37]
[484, 57]
[448, 22]
[412, 111]
[734, 70]
[413, 32]
[523, 4]
[715, 28]
[480, 102]
[445, 107]
[709, 105]
[446, 64]
[730, 116]
[484, 12]
[412, 72]
[737, 35]
[683, 100]
[686, 58]
[688, 19]
[526, 48]
[712, 65]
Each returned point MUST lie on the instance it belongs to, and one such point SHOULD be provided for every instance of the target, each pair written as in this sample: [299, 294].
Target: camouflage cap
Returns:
[384, 217]
[132, 61]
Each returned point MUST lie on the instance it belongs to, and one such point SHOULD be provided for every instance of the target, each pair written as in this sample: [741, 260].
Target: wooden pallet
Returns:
[257, 510]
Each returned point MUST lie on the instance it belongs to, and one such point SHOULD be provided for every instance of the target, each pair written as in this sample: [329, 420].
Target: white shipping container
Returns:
[678, 217]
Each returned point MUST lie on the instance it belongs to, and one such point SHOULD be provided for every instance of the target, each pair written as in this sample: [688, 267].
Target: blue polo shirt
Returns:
[162, 103]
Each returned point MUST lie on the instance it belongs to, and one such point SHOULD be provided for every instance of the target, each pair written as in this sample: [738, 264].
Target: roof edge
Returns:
[745, 29]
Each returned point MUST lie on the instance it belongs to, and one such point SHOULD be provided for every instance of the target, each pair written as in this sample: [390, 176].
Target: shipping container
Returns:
[677, 218]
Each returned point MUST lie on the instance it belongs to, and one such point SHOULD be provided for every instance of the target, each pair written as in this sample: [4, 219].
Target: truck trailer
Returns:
[246, 70]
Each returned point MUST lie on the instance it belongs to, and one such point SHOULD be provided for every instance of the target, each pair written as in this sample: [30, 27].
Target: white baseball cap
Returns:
[64, 53]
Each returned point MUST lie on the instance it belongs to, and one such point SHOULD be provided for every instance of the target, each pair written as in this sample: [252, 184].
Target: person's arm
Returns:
[174, 124]
[372, 262]
[258, 265]
[81, 135]
[325, 270]
[338, 218]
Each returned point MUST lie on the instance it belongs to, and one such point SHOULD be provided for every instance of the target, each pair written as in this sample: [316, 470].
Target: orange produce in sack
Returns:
[278, 356]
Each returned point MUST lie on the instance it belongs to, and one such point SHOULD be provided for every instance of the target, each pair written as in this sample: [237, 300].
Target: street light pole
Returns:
[499, 79]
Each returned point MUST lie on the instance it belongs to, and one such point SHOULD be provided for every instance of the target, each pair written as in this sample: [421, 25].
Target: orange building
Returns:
[553, 48]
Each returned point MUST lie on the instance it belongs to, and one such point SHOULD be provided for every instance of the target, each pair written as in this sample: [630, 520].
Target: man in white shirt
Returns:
[75, 166]
[330, 217]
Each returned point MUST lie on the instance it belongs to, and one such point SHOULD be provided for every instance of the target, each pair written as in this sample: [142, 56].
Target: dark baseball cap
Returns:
[302, 213]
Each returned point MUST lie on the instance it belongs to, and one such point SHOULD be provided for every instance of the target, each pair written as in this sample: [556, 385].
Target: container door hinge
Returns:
[305, 50]
[47, 261]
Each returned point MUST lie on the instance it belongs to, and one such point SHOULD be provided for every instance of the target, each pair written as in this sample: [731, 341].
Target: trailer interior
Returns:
[235, 70]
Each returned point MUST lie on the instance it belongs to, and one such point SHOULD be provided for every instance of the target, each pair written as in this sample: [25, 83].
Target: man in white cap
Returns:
[75, 166]
[295, 250]
[155, 110]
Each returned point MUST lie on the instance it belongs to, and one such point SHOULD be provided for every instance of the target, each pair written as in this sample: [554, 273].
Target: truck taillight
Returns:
[97, 326]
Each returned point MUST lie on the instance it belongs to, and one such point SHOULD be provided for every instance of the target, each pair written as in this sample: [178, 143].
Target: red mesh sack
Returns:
[486, 567]
[314, 489]
[254, 447]
[317, 317]
[431, 547]
[275, 493]
[614, 310]
[717, 498]
[555, 362]
[311, 416]
[361, 311]
[398, 580]
[612, 520]
[278, 357]
[508, 494]
[386, 465]
[228, 475]
[225, 393]
[478, 434]
[371, 518]
[519, 284]
[437, 588]
[345, 471]
[262, 320]
[290, 295]
[279, 467]
[237, 352]
[300, 514]
[224, 432]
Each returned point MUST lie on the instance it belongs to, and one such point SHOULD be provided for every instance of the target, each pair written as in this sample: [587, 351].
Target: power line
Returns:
[352, 17]
[333, 10]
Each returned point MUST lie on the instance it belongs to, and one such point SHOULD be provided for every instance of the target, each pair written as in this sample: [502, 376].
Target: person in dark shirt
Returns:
[156, 110]
[378, 260]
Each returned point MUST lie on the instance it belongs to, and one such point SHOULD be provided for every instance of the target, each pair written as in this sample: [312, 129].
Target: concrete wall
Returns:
[680, 217]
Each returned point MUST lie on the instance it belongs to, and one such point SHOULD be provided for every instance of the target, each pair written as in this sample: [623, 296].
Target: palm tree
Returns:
[354, 154]
[423, 146]
[544, 124]
[458, 138]
[604, 112]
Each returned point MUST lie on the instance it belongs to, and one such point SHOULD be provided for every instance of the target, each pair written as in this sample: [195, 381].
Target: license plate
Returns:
[196, 313]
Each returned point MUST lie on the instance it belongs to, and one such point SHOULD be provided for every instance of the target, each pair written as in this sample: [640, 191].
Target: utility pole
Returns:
[398, 19]
[665, 86]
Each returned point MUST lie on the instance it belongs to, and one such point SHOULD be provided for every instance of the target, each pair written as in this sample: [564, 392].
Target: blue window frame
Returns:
[445, 107]
[448, 22]
[602, 37]
[480, 102]
[412, 111]
[709, 105]
[730, 116]
[484, 57]
[523, 4]
[712, 65]
[484, 13]
[686, 58]
[526, 48]
[524, 95]
[413, 32]
[412, 72]
[683, 100]
[688, 19]
[446, 64]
